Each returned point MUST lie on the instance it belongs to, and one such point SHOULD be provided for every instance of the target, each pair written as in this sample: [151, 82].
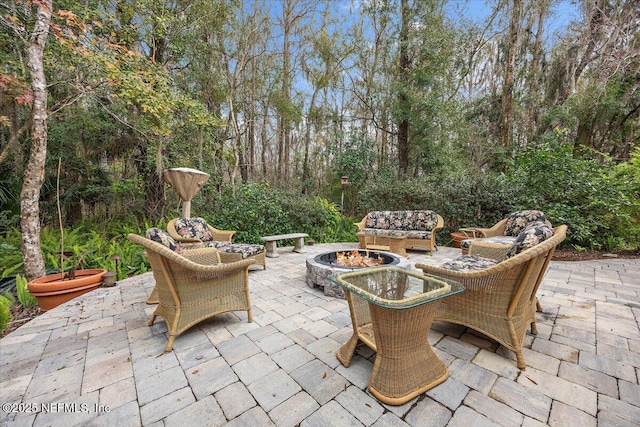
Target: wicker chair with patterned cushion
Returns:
[500, 296]
[505, 232]
[195, 232]
[193, 285]
[188, 230]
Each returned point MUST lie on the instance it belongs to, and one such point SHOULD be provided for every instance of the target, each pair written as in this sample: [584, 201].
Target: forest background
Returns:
[421, 107]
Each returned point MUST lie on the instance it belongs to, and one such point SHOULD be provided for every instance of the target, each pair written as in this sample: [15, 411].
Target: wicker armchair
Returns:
[504, 232]
[500, 300]
[193, 286]
[217, 235]
[195, 231]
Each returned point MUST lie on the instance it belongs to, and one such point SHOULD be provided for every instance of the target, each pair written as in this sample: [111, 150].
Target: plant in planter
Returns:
[55, 289]
[58, 288]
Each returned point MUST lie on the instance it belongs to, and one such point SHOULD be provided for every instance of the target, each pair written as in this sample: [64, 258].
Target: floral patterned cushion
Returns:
[518, 221]
[469, 263]
[410, 234]
[500, 240]
[419, 220]
[534, 233]
[245, 249]
[193, 228]
[160, 236]
[217, 244]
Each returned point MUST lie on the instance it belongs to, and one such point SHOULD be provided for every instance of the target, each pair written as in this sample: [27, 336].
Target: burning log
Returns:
[355, 259]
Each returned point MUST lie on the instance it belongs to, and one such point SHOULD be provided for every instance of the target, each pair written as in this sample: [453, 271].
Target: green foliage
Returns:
[24, 296]
[462, 199]
[6, 301]
[576, 191]
[256, 210]
[89, 248]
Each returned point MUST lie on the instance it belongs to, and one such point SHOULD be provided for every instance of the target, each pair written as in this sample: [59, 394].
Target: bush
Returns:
[256, 210]
[586, 194]
[599, 201]
[90, 248]
[6, 301]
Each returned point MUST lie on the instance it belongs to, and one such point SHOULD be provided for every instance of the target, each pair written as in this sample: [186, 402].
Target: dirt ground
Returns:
[22, 315]
[586, 255]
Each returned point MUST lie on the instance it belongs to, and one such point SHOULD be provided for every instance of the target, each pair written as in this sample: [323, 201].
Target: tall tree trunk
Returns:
[506, 116]
[34, 172]
[403, 124]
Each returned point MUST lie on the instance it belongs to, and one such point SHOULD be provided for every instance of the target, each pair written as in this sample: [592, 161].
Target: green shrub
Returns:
[89, 248]
[256, 210]
[24, 296]
[596, 204]
[6, 302]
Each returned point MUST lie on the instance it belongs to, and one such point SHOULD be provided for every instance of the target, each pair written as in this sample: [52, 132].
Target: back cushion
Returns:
[534, 233]
[518, 221]
[421, 220]
[193, 228]
[160, 236]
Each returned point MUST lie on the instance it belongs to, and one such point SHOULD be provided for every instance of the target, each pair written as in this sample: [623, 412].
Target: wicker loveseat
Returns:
[192, 285]
[500, 297]
[407, 229]
[506, 231]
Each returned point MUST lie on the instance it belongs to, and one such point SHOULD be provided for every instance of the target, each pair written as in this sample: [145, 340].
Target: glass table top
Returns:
[394, 287]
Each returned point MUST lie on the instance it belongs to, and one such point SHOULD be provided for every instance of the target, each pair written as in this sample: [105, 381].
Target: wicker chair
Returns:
[194, 286]
[196, 231]
[499, 301]
[217, 235]
[505, 231]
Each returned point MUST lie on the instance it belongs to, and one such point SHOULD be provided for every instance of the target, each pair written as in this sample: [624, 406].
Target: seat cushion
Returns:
[162, 237]
[193, 228]
[384, 232]
[246, 250]
[420, 220]
[518, 221]
[469, 263]
[534, 233]
[500, 240]
[217, 244]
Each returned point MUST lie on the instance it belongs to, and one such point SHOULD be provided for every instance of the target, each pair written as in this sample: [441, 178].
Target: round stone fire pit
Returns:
[320, 267]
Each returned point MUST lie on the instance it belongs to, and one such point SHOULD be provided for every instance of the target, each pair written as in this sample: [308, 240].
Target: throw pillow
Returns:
[518, 221]
[160, 236]
[534, 233]
[193, 228]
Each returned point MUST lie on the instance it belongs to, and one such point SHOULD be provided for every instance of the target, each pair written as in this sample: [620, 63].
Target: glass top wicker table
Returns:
[391, 311]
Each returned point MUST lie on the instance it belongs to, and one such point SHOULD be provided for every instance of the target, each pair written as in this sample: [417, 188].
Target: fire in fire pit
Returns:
[356, 259]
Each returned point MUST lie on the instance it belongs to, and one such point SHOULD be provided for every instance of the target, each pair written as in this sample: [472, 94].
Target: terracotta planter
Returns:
[457, 238]
[50, 291]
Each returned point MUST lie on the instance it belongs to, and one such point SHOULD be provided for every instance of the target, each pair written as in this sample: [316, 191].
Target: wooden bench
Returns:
[272, 247]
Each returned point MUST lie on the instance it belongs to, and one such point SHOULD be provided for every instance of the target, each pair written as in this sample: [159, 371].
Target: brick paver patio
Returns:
[94, 361]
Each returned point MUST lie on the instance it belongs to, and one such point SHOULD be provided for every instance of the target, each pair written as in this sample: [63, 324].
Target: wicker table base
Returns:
[405, 364]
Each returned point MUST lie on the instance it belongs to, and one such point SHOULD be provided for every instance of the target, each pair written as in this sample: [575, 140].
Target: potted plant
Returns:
[55, 289]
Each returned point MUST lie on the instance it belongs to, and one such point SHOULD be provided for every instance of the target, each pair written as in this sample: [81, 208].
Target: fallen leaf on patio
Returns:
[195, 372]
[198, 357]
[532, 381]
[324, 376]
[366, 404]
